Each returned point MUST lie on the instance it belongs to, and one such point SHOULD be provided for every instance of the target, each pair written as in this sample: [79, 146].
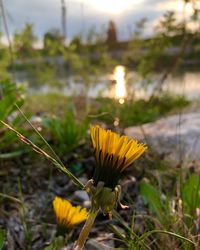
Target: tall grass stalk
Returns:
[147, 234]
[58, 164]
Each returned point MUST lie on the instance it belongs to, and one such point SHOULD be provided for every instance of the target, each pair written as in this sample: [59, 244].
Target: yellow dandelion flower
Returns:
[113, 153]
[66, 214]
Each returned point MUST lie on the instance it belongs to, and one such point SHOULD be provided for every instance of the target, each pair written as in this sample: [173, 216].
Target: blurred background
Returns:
[54, 43]
[132, 66]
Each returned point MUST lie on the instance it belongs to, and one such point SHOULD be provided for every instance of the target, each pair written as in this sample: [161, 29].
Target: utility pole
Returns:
[82, 20]
[64, 20]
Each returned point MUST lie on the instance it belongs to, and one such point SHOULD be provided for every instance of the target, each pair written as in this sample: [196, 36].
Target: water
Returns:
[183, 83]
[187, 83]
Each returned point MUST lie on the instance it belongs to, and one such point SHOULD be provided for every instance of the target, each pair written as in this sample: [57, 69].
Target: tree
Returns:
[24, 42]
[111, 33]
[53, 41]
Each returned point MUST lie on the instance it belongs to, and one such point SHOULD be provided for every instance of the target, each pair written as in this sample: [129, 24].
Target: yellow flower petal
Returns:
[66, 214]
[114, 153]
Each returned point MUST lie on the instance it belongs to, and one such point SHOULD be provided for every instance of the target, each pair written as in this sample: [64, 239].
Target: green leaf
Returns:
[9, 95]
[13, 154]
[152, 197]
[57, 243]
[2, 238]
[191, 194]
[65, 132]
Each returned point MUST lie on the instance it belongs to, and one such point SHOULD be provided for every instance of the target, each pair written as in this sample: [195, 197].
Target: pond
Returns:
[121, 84]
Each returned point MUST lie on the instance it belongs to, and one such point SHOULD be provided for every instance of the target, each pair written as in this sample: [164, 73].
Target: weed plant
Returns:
[139, 111]
[65, 133]
[10, 94]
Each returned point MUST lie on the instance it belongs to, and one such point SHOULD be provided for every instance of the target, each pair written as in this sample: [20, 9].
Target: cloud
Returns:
[82, 15]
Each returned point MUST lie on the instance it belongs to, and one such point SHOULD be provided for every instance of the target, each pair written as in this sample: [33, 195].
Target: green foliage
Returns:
[53, 42]
[65, 132]
[24, 41]
[88, 62]
[152, 197]
[168, 215]
[191, 194]
[49, 103]
[10, 94]
[4, 61]
[2, 238]
[40, 66]
[133, 241]
[155, 53]
[85, 62]
[139, 111]
[57, 243]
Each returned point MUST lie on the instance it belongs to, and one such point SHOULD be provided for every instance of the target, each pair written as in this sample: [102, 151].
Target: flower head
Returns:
[114, 154]
[66, 214]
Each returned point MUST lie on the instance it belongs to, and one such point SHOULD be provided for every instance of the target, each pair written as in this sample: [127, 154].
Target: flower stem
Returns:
[86, 229]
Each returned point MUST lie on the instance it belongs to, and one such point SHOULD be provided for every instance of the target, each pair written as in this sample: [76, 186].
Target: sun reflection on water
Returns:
[120, 87]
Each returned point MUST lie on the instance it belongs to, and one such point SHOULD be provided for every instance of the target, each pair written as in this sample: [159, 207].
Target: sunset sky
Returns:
[85, 14]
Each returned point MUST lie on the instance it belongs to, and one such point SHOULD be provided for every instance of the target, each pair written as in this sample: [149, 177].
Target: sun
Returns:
[112, 6]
